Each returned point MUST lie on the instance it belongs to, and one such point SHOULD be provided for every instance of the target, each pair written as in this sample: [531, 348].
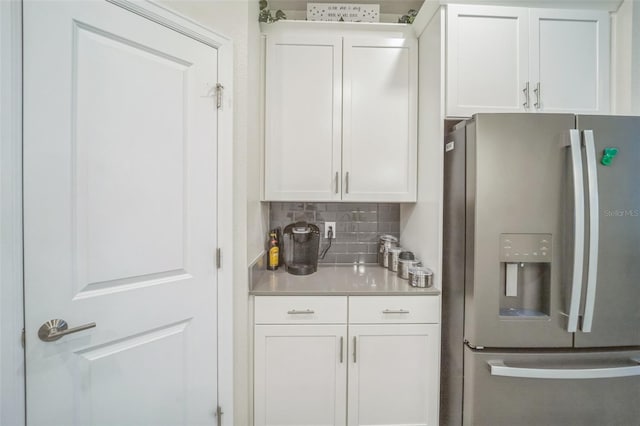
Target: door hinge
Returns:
[23, 339]
[219, 414]
[218, 258]
[219, 89]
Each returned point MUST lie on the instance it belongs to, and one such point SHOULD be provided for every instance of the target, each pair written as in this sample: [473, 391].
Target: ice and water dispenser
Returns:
[525, 275]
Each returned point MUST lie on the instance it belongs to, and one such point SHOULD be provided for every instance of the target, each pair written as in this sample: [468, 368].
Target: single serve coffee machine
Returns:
[301, 244]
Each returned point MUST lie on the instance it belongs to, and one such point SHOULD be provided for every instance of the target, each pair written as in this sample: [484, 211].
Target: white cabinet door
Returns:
[487, 59]
[300, 375]
[303, 118]
[380, 119]
[570, 60]
[393, 374]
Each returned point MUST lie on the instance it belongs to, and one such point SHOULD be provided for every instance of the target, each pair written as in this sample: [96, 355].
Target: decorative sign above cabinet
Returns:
[343, 12]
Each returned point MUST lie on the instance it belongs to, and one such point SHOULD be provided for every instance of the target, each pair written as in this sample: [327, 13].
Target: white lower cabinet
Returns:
[382, 372]
[393, 374]
[300, 378]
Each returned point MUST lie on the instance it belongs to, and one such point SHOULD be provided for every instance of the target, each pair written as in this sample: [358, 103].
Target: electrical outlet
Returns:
[328, 225]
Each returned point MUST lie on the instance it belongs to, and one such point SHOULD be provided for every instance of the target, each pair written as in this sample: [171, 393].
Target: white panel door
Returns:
[303, 118]
[300, 375]
[393, 374]
[570, 60]
[487, 59]
[379, 151]
[119, 218]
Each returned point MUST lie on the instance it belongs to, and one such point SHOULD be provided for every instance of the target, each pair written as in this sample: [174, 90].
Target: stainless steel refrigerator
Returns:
[541, 273]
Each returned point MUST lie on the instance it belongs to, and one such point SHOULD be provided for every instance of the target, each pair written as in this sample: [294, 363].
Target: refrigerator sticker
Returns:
[608, 155]
[449, 147]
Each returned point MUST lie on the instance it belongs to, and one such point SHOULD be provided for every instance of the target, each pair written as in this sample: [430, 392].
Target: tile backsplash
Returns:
[358, 226]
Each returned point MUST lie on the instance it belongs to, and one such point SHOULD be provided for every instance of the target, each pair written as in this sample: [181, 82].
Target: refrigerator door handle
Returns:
[499, 368]
[578, 230]
[594, 221]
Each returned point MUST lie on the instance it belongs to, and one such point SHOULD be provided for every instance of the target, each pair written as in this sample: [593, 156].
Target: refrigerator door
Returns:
[514, 282]
[552, 388]
[614, 314]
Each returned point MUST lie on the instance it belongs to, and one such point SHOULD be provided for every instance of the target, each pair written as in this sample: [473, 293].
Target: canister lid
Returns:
[414, 262]
[388, 238]
[407, 255]
[395, 250]
[420, 271]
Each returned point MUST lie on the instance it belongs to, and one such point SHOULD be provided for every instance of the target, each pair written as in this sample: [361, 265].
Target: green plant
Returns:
[266, 16]
[408, 17]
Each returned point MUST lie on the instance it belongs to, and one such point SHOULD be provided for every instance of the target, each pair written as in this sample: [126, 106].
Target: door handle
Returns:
[499, 368]
[337, 179]
[346, 185]
[538, 95]
[55, 329]
[594, 231]
[578, 229]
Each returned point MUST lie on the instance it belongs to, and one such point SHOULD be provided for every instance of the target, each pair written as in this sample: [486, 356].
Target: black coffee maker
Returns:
[301, 244]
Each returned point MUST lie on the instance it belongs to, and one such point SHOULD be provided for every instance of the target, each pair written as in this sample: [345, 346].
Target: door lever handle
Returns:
[55, 329]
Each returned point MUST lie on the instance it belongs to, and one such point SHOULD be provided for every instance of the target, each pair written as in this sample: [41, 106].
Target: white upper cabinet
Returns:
[379, 119]
[341, 118]
[570, 60]
[303, 127]
[487, 59]
[510, 59]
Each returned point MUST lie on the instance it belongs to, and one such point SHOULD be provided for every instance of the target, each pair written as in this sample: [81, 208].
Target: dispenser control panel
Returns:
[525, 248]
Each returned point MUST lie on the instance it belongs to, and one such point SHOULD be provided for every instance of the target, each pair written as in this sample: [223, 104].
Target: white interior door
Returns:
[120, 218]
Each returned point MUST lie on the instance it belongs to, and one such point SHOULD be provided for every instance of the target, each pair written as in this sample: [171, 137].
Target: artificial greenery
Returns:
[408, 17]
[265, 13]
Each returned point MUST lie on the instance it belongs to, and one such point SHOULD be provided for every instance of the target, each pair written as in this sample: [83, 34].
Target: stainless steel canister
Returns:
[404, 265]
[385, 242]
[420, 277]
[393, 255]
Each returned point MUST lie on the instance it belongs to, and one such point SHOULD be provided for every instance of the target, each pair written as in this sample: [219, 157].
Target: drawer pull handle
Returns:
[395, 311]
[341, 348]
[296, 312]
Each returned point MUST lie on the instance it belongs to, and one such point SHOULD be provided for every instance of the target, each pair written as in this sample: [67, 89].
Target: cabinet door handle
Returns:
[354, 349]
[341, 348]
[526, 95]
[395, 311]
[538, 94]
[346, 185]
[337, 178]
[296, 312]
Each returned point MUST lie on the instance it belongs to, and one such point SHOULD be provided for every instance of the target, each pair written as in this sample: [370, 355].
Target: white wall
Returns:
[11, 312]
[626, 58]
[421, 223]
[238, 19]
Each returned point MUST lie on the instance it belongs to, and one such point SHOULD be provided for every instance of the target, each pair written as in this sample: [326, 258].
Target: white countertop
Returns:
[342, 280]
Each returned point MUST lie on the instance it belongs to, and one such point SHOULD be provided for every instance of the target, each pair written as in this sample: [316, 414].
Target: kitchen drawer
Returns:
[301, 310]
[394, 309]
